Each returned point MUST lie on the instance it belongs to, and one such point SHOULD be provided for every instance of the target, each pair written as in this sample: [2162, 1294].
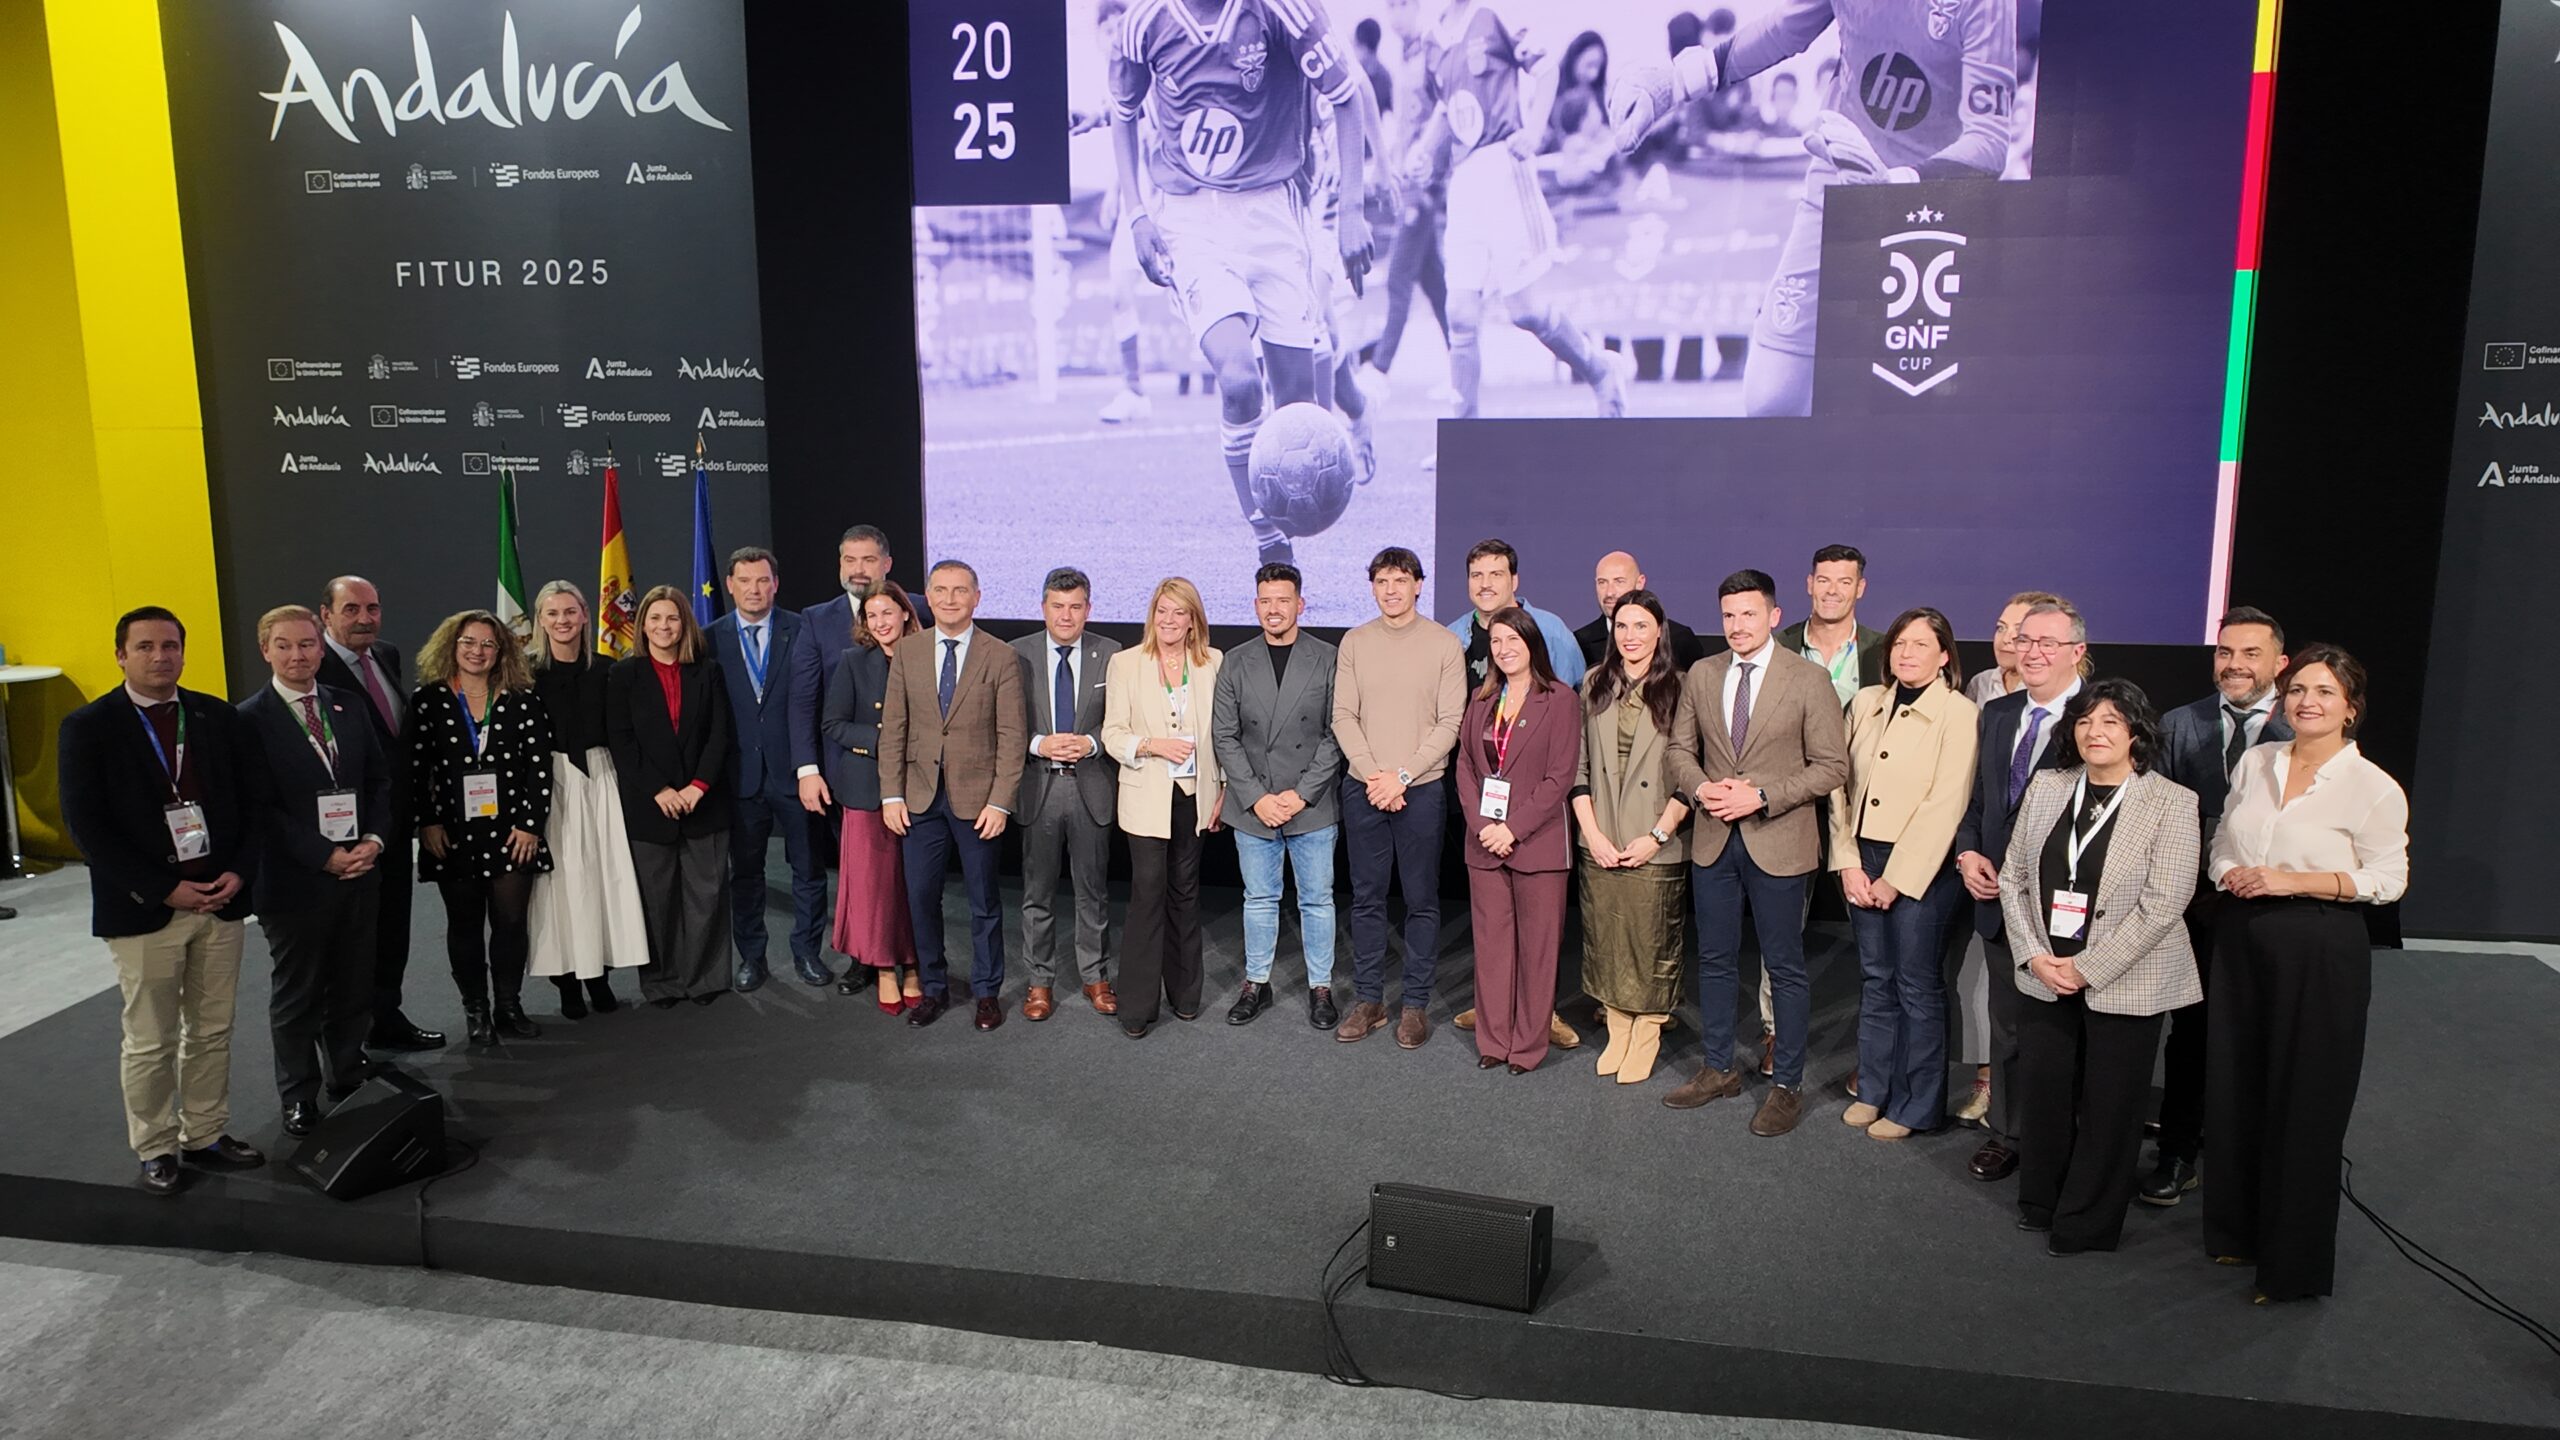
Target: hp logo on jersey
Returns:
[1894, 91]
[1920, 286]
[1212, 142]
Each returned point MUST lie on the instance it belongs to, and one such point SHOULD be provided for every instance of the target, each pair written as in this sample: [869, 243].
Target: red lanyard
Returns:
[1502, 732]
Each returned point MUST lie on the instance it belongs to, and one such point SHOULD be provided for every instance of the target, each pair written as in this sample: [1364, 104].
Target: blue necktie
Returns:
[2025, 758]
[755, 648]
[950, 674]
[1062, 706]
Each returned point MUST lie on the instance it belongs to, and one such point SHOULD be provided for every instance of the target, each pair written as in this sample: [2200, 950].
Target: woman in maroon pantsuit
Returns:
[1518, 750]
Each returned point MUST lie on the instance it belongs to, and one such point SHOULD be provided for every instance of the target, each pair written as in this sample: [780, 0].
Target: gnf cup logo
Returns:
[1920, 287]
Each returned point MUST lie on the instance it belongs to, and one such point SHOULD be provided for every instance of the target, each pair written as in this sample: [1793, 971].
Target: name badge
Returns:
[2070, 918]
[338, 816]
[1497, 799]
[1189, 768]
[186, 830]
[480, 796]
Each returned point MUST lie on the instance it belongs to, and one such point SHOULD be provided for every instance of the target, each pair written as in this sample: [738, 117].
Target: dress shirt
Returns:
[2354, 820]
[1843, 667]
[362, 665]
[2052, 709]
[1049, 679]
[293, 706]
[755, 639]
[959, 656]
[2258, 716]
[1758, 660]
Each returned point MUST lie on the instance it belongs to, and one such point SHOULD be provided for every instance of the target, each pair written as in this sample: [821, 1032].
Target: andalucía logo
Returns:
[401, 463]
[2519, 418]
[304, 416]
[525, 90]
[2499, 476]
[307, 465]
[1919, 276]
[708, 369]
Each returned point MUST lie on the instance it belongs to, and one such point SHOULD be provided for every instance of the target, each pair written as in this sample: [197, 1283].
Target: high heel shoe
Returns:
[573, 1000]
[513, 1021]
[600, 996]
[477, 1026]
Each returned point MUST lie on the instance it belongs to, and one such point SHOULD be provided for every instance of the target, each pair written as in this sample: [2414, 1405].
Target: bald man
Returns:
[1617, 574]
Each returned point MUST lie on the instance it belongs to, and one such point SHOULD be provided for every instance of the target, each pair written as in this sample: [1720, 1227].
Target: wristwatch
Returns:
[1404, 777]
[1658, 837]
[1764, 798]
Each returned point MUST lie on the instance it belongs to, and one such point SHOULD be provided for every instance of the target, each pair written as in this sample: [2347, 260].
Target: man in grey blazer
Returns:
[1759, 741]
[1069, 790]
[1271, 727]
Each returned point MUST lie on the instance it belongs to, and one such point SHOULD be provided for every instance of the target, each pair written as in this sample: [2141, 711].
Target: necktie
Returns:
[381, 697]
[1741, 726]
[319, 738]
[2238, 744]
[2025, 758]
[950, 674]
[755, 646]
[1062, 705]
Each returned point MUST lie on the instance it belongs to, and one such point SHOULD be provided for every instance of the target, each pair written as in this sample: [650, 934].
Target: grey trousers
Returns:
[684, 904]
[2000, 978]
[1064, 833]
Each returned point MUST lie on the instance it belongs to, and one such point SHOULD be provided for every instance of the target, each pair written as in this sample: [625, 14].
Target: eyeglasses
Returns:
[2047, 644]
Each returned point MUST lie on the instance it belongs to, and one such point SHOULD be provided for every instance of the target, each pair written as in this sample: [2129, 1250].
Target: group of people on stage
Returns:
[2127, 873]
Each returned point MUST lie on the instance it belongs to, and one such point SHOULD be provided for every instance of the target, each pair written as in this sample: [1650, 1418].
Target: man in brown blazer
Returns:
[1759, 742]
[953, 733]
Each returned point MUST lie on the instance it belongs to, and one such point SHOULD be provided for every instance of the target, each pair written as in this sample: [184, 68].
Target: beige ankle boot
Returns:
[1621, 1026]
[1643, 1048]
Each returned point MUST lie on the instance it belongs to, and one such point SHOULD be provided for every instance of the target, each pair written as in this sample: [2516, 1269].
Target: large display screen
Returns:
[1952, 281]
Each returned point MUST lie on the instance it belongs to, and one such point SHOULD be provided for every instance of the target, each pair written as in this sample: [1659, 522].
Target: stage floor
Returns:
[797, 1150]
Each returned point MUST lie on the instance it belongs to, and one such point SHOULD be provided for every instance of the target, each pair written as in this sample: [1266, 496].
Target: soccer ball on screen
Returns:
[1303, 468]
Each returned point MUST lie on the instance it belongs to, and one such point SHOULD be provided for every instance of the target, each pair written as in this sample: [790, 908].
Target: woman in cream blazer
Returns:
[1155, 722]
[1893, 830]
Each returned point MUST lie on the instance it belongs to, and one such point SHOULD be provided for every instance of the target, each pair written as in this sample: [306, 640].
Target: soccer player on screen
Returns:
[1925, 90]
[1501, 236]
[1229, 229]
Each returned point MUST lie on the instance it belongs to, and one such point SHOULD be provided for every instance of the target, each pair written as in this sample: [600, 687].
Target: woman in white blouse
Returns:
[2312, 831]
[1155, 722]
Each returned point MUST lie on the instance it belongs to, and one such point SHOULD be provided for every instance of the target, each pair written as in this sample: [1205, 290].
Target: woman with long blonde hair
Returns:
[586, 912]
[1156, 724]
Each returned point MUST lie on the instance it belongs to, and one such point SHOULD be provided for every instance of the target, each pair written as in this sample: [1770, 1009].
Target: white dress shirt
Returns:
[2354, 820]
[1758, 660]
[1049, 684]
[2254, 725]
[293, 706]
[2052, 709]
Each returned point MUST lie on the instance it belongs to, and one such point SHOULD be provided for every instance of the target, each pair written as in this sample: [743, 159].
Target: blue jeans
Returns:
[1311, 855]
[1719, 893]
[1902, 997]
[1395, 845]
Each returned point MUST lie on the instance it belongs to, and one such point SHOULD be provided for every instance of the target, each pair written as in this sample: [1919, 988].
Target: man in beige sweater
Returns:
[1397, 697]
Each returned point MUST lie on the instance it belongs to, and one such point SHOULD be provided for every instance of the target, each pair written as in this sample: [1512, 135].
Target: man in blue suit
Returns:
[862, 564]
[755, 644]
[2015, 740]
[2201, 745]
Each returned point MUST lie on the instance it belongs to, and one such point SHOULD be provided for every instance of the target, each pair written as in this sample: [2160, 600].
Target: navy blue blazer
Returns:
[826, 633]
[1988, 815]
[294, 856]
[760, 751]
[114, 789]
[856, 689]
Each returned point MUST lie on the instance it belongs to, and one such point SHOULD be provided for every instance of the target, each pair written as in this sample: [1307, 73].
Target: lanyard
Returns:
[2075, 844]
[176, 766]
[1180, 708]
[471, 728]
[758, 658]
[324, 744]
[1505, 722]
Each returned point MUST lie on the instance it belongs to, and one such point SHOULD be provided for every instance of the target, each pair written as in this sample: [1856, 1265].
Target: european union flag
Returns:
[706, 571]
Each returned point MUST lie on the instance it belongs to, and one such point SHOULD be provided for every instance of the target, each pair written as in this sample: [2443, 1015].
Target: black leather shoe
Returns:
[2169, 1181]
[850, 985]
[1255, 999]
[226, 1153]
[8, 912]
[513, 1022]
[478, 1026]
[161, 1176]
[813, 972]
[990, 1012]
[400, 1036]
[2034, 1226]
[300, 1117]
[750, 976]
[1320, 1008]
[573, 997]
[1994, 1161]
[600, 996]
[925, 1009]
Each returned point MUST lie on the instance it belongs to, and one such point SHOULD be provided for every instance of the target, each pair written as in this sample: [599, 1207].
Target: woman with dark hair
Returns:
[2101, 864]
[1519, 746]
[480, 785]
[667, 720]
[1635, 871]
[1893, 831]
[586, 913]
[2312, 833]
[872, 927]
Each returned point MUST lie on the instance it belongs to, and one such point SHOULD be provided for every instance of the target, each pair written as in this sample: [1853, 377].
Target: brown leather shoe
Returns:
[1413, 1028]
[1359, 1020]
[1037, 1005]
[1706, 1085]
[1104, 1001]
[1465, 1019]
[1780, 1109]
[1562, 1036]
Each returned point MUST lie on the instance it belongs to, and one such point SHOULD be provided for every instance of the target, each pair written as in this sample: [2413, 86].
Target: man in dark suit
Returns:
[1830, 635]
[757, 647]
[2201, 744]
[362, 663]
[159, 789]
[1070, 793]
[327, 798]
[1618, 574]
[862, 563]
[2015, 739]
[954, 736]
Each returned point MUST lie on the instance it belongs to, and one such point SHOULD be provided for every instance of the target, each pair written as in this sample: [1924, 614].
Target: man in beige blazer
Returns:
[1759, 742]
[953, 737]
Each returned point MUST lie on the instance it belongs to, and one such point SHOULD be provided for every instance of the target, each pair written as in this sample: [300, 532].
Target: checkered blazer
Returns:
[2137, 961]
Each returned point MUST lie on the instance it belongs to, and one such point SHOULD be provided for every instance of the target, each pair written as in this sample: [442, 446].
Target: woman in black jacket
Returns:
[667, 722]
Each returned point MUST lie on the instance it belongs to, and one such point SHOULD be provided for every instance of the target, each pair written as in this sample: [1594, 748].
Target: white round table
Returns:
[13, 675]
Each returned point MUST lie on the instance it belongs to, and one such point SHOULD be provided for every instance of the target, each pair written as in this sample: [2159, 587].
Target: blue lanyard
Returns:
[167, 764]
[470, 727]
[758, 659]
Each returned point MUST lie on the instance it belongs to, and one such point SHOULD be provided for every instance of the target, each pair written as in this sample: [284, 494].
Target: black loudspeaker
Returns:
[390, 1132]
[1481, 1249]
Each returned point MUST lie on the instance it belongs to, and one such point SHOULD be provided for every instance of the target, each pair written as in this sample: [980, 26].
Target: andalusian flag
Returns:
[510, 608]
[706, 570]
[617, 606]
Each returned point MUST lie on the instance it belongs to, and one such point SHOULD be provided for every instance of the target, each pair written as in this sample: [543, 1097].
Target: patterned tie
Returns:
[319, 737]
[1741, 726]
[1062, 705]
[381, 697]
[950, 674]
[2238, 744]
[2025, 758]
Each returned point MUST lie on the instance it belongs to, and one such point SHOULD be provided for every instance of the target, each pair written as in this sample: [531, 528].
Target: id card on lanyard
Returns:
[185, 818]
[479, 787]
[1496, 802]
[2070, 917]
[335, 808]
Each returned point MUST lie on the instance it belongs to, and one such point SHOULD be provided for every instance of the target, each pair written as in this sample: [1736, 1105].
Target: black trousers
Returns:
[1160, 943]
[2292, 979]
[321, 1005]
[2084, 1080]
[2182, 1060]
[485, 938]
[2008, 1008]
[398, 868]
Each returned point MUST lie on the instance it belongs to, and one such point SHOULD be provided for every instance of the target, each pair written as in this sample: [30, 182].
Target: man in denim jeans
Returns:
[1271, 725]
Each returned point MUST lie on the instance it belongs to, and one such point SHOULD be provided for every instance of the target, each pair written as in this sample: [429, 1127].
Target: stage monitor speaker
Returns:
[390, 1132]
[1481, 1249]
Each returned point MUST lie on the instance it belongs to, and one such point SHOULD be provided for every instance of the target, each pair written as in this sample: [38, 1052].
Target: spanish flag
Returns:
[617, 605]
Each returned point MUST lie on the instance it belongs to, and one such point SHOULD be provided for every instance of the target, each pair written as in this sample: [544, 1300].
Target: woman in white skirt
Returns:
[586, 912]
